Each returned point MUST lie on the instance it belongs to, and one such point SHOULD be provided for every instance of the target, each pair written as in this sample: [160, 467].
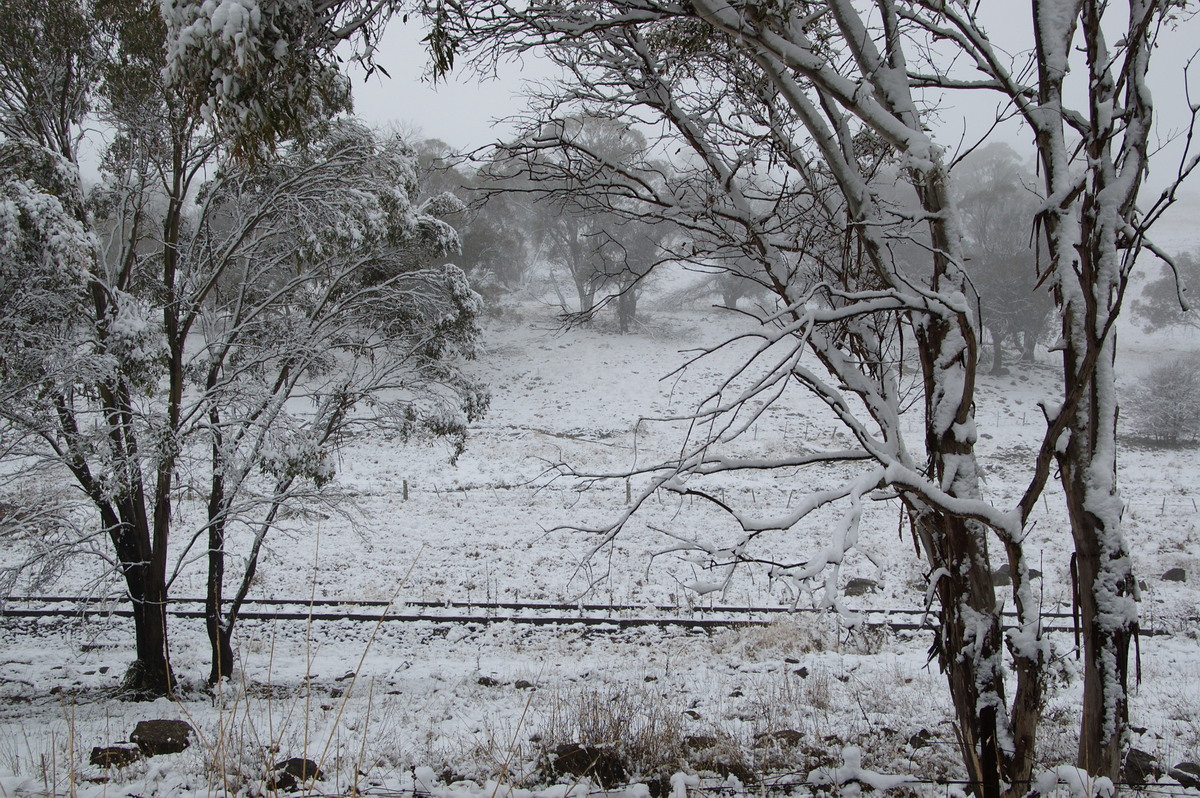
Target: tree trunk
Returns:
[1105, 583]
[627, 307]
[1028, 346]
[150, 675]
[587, 298]
[219, 631]
[970, 643]
[1106, 590]
[969, 650]
[997, 355]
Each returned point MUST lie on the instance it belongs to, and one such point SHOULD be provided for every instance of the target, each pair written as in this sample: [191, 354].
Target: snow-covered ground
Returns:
[397, 706]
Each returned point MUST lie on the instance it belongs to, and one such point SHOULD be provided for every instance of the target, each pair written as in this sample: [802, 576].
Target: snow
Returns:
[495, 527]
[1075, 782]
[853, 771]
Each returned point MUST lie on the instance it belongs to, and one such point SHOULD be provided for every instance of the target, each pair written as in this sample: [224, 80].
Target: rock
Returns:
[788, 738]
[1186, 773]
[114, 756]
[1002, 576]
[859, 586]
[920, 739]
[601, 765]
[1175, 575]
[1139, 766]
[291, 773]
[720, 756]
[488, 681]
[157, 737]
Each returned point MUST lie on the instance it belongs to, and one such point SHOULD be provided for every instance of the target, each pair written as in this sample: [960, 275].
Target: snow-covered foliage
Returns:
[45, 256]
[219, 337]
[1164, 404]
[265, 70]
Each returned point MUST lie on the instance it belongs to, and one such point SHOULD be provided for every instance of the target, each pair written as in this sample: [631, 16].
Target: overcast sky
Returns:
[466, 113]
[461, 111]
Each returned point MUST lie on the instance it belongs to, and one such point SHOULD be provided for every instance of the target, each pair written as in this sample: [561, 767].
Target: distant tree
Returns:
[566, 164]
[495, 227]
[1162, 303]
[625, 255]
[997, 205]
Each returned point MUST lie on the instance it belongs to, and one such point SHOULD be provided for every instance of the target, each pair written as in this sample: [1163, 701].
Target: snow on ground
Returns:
[424, 705]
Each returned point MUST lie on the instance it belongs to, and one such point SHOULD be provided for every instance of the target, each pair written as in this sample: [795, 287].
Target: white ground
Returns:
[493, 527]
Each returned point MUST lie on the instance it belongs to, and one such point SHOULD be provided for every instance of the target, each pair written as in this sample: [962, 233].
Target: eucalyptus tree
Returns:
[325, 287]
[164, 324]
[998, 206]
[1165, 302]
[816, 95]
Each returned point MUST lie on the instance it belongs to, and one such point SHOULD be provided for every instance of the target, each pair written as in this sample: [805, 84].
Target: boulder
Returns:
[1175, 575]
[157, 737]
[114, 756]
[1139, 767]
[858, 586]
[1186, 773]
[785, 738]
[289, 774]
[601, 765]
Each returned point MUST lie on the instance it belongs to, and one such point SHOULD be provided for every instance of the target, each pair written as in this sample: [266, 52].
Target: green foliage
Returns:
[49, 64]
[265, 71]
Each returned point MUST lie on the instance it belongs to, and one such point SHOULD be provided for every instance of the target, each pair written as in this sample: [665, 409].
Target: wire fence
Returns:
[602, 617]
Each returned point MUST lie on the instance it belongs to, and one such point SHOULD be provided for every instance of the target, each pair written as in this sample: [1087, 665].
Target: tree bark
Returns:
[150, 676]
[1106, 589]
[997, 355]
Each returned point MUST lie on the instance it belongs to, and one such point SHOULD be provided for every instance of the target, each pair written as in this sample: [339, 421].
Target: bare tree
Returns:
[820, 236]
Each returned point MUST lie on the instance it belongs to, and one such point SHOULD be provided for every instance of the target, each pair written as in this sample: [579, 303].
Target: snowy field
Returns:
[473, 709]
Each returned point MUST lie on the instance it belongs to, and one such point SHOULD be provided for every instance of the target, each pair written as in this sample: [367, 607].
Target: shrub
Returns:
[1165, 405]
